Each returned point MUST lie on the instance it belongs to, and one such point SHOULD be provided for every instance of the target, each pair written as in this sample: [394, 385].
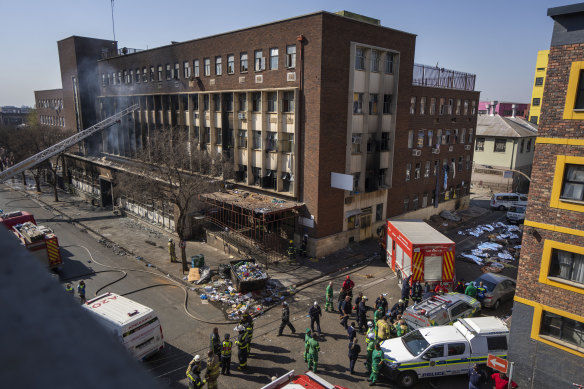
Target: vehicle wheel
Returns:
[501, 208]
[407, 379]
[497, 304]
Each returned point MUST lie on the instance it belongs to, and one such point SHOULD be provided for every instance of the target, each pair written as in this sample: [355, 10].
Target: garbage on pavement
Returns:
[500, 245]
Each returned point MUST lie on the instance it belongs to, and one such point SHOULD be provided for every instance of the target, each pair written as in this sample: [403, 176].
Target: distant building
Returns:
[538, 84]
[49, 107]
[547, 331]
[503, 144]
[503, 108]
[13, 116]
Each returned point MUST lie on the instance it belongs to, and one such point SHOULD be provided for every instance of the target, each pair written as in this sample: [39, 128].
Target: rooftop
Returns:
[434, 76]
[253, 201]
[420, 232]
[565, 9]
[505, 127]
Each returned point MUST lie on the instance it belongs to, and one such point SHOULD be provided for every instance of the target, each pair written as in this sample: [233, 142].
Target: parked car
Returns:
[499, 289]
[503, 201]
[440, 310]
[516, 215]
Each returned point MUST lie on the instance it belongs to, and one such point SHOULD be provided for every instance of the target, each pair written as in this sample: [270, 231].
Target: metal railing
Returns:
[436, 77]
[119, 52]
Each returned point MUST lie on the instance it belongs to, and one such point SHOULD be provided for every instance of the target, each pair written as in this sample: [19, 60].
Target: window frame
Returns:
[538, 81]
[218, 65]
[207, 67]
[499, 142]
[388, 62]
[357, 103]
[243, 62]
[196, 68]
[482, 143]
[360, 58]
[536, 101]
[375, 59]
[291, 56]
[230, 63]
[560, 170]
[274, 58]
[545, 276]
[186, 69]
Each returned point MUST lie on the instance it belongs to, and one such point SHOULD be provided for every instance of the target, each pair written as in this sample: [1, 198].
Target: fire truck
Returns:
[41, 241]
[412, 247]
[308, 380]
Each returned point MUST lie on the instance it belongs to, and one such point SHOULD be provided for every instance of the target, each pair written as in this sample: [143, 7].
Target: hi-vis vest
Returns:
[226, 350]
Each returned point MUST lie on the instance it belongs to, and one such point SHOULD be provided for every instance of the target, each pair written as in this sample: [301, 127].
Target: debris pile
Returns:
[501, 248]
[249, 271]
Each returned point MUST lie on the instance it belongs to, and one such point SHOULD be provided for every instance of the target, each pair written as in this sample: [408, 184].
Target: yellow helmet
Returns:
[291, 241]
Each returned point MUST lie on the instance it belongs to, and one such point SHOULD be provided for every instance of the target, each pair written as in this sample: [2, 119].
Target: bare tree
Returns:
[163, 174]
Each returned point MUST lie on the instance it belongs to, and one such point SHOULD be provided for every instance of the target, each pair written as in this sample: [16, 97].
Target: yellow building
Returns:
[538, 83]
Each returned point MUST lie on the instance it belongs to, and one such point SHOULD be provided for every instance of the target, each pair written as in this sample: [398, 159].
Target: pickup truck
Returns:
[440, 310]
[444, 350]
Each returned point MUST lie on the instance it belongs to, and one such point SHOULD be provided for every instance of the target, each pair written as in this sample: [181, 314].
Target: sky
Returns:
[497, 40]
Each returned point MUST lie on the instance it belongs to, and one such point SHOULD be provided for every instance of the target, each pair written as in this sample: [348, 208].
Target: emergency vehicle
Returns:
[308, 380]
[441, 310]
[444, 350]
[41, 241]
[412, 247]
[135, 325]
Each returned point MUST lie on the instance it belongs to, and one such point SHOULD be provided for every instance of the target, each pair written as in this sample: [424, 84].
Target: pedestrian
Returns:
[502, 381]
[286, 319]
[329, 297]
[172, 250]
[351, 332]
[226, 356]
[405, 292]
[362, 314]
[215, 342]
[315, 313]
[383, 330]
[376, 361]
[81, 291]
[242, 343]
[291, 253]
[69, 289]
[476, 377]
[354, 351]
[460, 287]
[471, 290]
[213, 370]
[307, 337]
[341, 299]
[313, 349]
[370, 341]
[417, 292]
[381, 302]
[194, 377]
[346, 310]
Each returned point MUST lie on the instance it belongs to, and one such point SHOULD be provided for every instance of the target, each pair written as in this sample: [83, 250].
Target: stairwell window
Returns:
[386, 104]
[207, 66]
[359, 59]
[272, 104]
[230, 64]
[358, 103]
[274, 58]
[373, 104]
[243, 62]
[375, 61]
[388, 63]
[288, 102]
[218, 66]
[196, 68]
[291, 56]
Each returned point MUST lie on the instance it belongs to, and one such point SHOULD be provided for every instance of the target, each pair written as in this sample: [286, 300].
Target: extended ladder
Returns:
[30, 162]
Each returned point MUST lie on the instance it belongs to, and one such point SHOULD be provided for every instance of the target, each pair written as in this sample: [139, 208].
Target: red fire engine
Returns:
[39, 240]
[413, 247]
[308, 380]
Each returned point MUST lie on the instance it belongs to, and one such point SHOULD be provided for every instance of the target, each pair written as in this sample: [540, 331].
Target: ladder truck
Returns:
[60, 147]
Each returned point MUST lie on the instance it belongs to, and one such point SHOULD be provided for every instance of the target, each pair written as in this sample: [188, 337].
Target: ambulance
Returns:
[135, 325]
[412, 247]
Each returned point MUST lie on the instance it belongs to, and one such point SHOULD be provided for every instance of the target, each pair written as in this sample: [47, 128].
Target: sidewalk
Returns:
[130, 236]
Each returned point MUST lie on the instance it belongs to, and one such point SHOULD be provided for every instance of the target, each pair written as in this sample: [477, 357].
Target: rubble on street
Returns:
[500, 245]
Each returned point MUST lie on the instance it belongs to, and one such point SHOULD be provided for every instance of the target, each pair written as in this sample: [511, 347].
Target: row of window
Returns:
[412, 203]
[372, 144]
[500, 145]
[445, 106]
[173, 71]
[374, 60]
[430, 168]
[268, 180]
[50, 103]
[285, 144]
[426, 137]
[52, 120]
[373, 104]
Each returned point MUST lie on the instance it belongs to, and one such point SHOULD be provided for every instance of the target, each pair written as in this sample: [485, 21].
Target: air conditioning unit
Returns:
[241, 115]
[467, 147]
[416, 152]
[290, 76]
[436, 151]
[242, 80]
[451, 148]
[259, 78]
[348, 200]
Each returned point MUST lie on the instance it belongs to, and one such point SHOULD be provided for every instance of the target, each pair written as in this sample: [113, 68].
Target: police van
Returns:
[444, 350]
[441, 310]
[136, 325]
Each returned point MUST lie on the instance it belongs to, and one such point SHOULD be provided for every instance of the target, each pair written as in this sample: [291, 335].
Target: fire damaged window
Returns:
[230, 64]
[291, 56]
[243, 138]
[137, 76]
[186, 69]
[159, 72]
[256, 101]
[168, 72]
[386, 104]
[152, 74]
[176, 74]
[243, 62]
[196, 68]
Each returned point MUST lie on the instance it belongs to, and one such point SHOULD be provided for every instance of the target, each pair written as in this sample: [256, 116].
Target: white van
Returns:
[136, 325]
[504, 201]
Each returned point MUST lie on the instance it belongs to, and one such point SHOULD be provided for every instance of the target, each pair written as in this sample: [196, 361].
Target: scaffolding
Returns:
[432, 76]
[260, 225]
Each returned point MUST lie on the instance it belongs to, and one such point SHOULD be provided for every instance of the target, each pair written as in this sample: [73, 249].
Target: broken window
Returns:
[271, 141]
[243, 62]
[291, 56]
[257, 140]
[230, 64]
[242, 138]
[356, 143]
[186, 69]
[259, 61]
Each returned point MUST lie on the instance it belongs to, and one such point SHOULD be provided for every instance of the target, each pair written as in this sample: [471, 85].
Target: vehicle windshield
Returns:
[488, 285]
[518, 209]
[415, 342]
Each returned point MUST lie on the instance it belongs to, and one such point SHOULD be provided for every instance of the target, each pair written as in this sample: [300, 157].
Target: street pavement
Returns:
[129, 243]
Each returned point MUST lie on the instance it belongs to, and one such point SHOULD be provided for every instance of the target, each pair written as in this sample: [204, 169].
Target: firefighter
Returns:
[362, 314]
[370, 341]
[194, 376]
[307, 337]
[313, 349]
[383, 330]
[460, 287]
[329, 297]
[405, 292]
[243, 344]
[226, 356]
[196, 361]
[81, 291]
[417, 292]
[213, 370]
[397, 309]
[348, 286]
[376, 361]
[315, 313]
[246, 319]
[291, 253]
[172, 250]
[69, 289]
[215, 342]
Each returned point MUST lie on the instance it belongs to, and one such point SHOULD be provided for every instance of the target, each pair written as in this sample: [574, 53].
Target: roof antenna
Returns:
[113, 24]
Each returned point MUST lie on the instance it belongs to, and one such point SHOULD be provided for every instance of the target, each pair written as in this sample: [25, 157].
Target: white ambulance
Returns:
[136, 325]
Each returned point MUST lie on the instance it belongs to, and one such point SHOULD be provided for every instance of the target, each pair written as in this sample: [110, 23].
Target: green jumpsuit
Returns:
[307, 337]
[370, 347]
[314, 347]
[375, 367]
[329, 298]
